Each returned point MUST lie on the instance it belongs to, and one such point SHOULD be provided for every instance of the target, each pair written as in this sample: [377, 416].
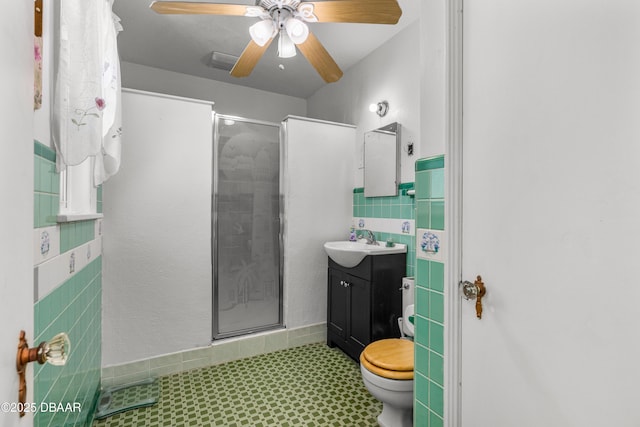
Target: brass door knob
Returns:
[475, 290]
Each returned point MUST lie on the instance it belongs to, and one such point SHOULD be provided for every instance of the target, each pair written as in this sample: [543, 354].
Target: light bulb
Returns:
[297, 30]
[261, 32]
[286, 48]
[381, 108]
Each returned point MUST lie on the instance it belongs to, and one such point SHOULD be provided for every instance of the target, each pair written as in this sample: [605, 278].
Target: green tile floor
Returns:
[312, 385]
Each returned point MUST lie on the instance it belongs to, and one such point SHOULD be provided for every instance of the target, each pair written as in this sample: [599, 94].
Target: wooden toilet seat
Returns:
[389, 358]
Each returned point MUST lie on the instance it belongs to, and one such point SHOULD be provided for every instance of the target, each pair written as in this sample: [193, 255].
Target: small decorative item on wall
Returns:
[72, 263]
[406, 227]
[37, 50]
[44, 243]
[429, 244]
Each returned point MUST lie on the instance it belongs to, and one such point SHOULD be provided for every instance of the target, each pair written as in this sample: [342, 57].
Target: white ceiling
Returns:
[183, 43]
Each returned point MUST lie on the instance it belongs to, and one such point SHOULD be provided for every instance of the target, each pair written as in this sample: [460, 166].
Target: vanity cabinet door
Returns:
[338, 303]
[359, 331]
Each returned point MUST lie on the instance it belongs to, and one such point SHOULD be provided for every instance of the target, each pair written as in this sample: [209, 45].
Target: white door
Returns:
[16, 191]
[551, 213]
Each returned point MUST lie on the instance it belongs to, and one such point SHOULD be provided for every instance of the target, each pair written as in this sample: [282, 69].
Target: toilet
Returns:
[387, 368]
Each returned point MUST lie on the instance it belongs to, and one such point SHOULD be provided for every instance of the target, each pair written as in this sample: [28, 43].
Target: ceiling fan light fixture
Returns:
[297, 30]
[261, 32]
[286, 46]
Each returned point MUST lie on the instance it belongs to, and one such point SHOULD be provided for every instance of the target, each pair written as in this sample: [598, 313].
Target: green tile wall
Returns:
[46, 186]
[73, 307]
[99, 199]
[429, 303]
[74, 234]
[401, 206]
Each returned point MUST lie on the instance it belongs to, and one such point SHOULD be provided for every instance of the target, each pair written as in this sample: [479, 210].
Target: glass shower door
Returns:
[246, 231]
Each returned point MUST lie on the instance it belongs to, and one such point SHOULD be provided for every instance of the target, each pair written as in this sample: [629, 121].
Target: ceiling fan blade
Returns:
[185, 7]
[358, 11]
[249, 58]
[318, 56]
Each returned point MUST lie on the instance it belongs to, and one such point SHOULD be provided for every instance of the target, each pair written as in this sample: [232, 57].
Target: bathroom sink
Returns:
[349, 254]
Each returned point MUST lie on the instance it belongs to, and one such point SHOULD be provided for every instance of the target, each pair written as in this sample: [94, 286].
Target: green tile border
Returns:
[402, 188]
[44, 151]
[436, 162]
[74, 234]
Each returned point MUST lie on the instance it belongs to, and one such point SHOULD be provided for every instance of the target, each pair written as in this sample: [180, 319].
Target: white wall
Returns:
[390, 73]
[16, 191]
[319, 162]
[433, 77]
[157, 252]
[229, 99]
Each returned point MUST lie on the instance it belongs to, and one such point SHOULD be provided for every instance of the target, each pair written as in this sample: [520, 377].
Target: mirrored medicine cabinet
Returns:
[382, 161]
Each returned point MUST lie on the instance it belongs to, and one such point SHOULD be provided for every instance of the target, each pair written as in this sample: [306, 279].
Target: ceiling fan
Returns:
[287, 19]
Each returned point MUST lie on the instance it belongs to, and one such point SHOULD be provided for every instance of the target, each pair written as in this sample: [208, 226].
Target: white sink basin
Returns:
[349, 254]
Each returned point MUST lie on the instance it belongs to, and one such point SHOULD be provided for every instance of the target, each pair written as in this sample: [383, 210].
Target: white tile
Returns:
[251, 346]
[225, 352]
[57, 270]
[169, 359]
[46, 243]
[385, 225]
[134, 368]
[188, 365]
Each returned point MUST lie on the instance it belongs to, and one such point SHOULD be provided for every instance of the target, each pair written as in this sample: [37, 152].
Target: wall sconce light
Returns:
[381, 108]
[55, 351]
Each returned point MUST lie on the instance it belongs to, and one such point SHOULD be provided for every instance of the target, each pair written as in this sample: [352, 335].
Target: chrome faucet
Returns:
[371, 238]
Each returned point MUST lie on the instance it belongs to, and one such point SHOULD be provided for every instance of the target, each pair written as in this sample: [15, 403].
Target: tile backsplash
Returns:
[391, 217]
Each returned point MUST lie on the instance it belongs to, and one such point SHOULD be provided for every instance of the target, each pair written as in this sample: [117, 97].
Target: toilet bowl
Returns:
[387, 372]
[387, 368]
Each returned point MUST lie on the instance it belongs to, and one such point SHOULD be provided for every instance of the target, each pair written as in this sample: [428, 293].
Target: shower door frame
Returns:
[216, 335]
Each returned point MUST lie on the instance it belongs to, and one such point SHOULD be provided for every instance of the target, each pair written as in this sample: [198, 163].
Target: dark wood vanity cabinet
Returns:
[364, 302]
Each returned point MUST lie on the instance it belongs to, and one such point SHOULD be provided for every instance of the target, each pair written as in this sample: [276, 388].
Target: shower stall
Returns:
[193, 253]
[246, 227]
